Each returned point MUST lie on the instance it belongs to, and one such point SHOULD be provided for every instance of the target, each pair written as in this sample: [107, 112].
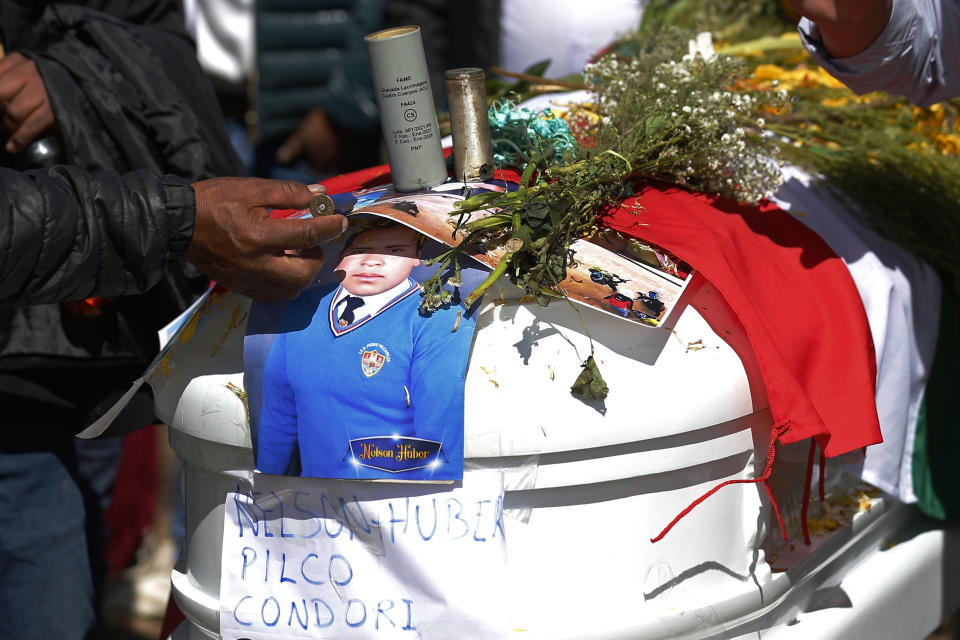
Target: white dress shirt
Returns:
[371, 304]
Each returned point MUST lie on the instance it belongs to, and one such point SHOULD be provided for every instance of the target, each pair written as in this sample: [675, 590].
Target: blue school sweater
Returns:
[396, 373]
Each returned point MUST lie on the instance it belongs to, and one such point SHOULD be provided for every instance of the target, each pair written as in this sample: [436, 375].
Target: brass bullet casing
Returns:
[408, 117]
[469, 123]
[513, 245]
[322, 205]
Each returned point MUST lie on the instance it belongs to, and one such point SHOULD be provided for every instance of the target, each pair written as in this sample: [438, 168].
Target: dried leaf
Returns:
[590, 385]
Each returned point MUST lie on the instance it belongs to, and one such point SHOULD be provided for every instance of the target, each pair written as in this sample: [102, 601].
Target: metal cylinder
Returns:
[407, 113]
[470, 124]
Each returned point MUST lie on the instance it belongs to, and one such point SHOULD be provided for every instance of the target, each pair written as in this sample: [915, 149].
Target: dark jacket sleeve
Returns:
[128, 97]
[67, 235]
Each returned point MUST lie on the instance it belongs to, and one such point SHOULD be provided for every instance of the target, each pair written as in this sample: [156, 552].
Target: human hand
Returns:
[23, 102]
[236, 243]
[315, 141]
[847, 27]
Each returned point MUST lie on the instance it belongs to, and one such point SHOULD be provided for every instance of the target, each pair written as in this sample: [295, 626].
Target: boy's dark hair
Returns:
[374, 225]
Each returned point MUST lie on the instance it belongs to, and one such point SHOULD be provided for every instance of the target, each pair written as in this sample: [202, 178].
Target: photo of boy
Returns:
[356, 359]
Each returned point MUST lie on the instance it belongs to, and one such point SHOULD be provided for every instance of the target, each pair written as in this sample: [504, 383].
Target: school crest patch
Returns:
[371, 362]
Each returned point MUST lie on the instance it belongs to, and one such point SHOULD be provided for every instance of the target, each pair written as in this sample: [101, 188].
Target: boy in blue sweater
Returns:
[358, 360]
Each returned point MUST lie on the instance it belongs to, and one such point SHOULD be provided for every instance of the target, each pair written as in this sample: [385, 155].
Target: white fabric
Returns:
[901, 296]
[223, 30]
[569, 32]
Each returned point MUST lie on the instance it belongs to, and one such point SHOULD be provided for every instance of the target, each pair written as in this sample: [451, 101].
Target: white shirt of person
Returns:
[917, 55]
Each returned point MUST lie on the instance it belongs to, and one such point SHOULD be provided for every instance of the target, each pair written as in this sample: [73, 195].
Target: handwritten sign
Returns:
[307, 558]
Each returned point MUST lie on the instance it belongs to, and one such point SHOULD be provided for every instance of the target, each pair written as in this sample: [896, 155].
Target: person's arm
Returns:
[277, 436]
[846, 27]
[903, 47]
[67, 235]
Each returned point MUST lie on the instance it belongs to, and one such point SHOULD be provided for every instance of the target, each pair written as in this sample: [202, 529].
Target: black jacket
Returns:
[126, 97]
[67, 235]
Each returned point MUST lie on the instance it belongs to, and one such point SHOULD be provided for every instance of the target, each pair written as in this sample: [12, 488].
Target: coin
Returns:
[322, 206]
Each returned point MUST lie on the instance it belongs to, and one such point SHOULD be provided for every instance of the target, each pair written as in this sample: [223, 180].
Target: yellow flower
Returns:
[932, 118]
[801, 77]
[947, 143]
[835, 102]
[585, 113]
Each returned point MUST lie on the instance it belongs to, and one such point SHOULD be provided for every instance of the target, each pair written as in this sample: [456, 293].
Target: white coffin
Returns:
[588, 485]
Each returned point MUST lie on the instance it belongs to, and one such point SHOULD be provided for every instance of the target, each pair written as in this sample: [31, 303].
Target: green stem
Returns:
[493, 277]
[567, 169]
[496, 220]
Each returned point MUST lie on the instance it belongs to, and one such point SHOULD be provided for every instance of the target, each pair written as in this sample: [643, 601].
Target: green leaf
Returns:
[538, 68]
[525, 233]
[527, 175]
[537, 213]
[653, 125]
[590, 385]
[761, 45]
